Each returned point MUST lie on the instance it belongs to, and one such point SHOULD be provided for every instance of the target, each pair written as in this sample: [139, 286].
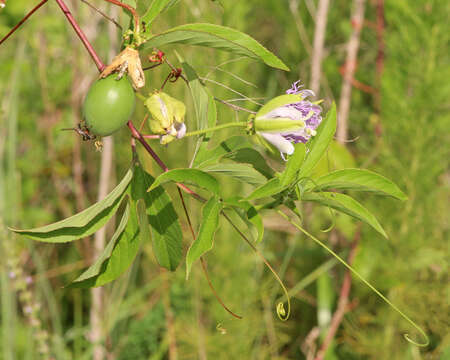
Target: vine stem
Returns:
[98, 62]
[203, 262]
[370, 286]
[215, 128]
[22, 21]
[280, 309]
[137, 135]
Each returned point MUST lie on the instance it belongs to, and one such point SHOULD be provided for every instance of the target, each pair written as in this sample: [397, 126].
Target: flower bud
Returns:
[167, 116]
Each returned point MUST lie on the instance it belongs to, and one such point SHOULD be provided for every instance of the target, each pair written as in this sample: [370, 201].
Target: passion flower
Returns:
[108, 105]
[288, 119]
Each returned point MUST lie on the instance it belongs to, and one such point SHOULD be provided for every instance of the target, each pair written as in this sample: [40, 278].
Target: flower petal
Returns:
[181, 130]
[279, 142]
[284, 112]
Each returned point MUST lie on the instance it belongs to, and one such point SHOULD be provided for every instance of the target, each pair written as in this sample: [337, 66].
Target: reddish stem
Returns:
[130, 9]
[81, 35]
[22, 21]
[136, 134]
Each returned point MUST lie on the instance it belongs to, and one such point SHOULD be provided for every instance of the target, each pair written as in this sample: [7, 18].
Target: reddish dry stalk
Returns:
[350, 67]
[81, 35]
[380, 53]
[343, 302]
[319, 40]
[130, 9]
[356, 83]
[22, 21]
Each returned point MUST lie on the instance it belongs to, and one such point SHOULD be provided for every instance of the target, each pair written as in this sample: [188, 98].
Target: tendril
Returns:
[282, 314]
[404, 316]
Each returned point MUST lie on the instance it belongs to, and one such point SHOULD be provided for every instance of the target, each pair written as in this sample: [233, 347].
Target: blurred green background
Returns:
[398, 124]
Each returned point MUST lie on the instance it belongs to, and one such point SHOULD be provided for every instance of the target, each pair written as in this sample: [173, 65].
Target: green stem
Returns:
[140, 96]
[427, 341]
[215, 128]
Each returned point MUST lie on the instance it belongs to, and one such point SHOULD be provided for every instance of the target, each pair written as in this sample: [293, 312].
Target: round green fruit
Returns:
[108, 105]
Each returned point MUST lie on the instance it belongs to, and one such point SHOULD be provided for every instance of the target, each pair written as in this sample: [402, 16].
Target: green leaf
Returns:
[96, 268]
[205, 239]
[249, 215]
[228, 146]
[200, 94]
[320, 143]
[358, 180]
[156, 7]
[293, 165]
[337, 157]
[241, 172]
[85, 222]
[188, 176]
[125, 249]
[270, 188]
[167, 237]
[166, 231]
[252, 157]
[204, 104]
[219, 37]
[346, 205]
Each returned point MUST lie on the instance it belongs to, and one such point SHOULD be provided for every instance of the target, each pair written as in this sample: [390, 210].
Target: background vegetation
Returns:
[398, 123]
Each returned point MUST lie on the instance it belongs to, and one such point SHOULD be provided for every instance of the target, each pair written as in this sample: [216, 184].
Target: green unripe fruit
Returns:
[108, 105]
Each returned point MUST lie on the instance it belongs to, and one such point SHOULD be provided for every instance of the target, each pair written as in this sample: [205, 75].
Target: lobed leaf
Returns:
[166, 234]
[204, 104]
[241, 172]
[358, 180]
[124, 250]
[96, 267]
[295, 161]
[152, 11]
[228, 146]
[218, 37]
[346, 205]
[165, 228]
[251, 156]
[85, 222]
[189, 176]
[248, 213]
[320, 142]
[270, 188]
[205, 238]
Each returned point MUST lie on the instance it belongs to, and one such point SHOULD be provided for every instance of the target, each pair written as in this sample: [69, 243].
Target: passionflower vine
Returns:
[288, 119]
[167, 116]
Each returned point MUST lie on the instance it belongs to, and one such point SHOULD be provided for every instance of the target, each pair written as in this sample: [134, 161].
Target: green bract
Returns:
[108, 105]
[264, 123]
[165, 110]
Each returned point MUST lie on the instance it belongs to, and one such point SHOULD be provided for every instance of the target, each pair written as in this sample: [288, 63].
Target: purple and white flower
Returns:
[289, 119]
